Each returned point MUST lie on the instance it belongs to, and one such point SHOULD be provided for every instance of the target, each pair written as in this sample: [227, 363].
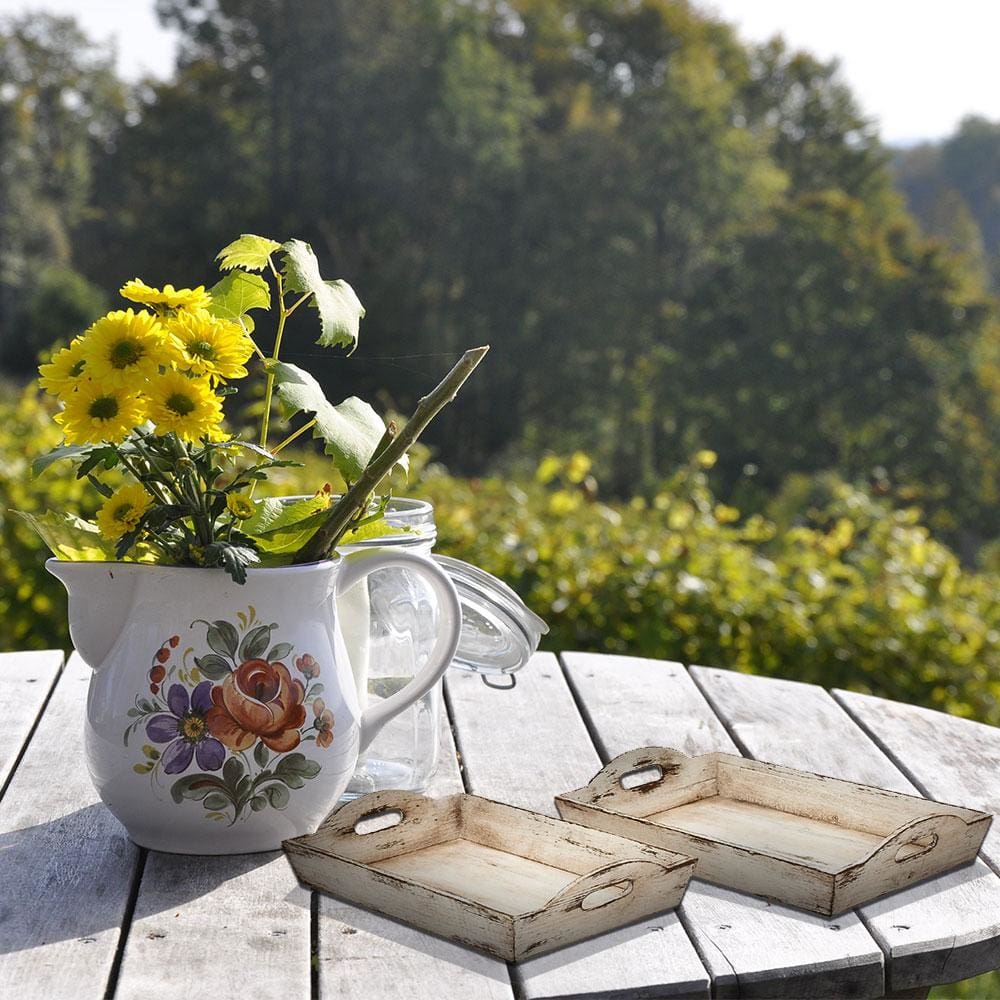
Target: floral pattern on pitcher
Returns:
[237, 714]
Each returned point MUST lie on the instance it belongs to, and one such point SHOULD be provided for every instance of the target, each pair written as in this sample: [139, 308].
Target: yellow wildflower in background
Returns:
[63, 372]
[187, 406]
[211, 346]
[96, 412]
[167, 297]
[122, 511]
[124, 348]
[240, 505]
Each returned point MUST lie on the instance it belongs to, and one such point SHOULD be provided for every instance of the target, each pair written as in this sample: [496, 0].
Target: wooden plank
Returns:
[941, 931]
[521, 746]
[947, 758]
[25, 682]
[66, 865]
[634, 702]
[363, 955]
[224, 920]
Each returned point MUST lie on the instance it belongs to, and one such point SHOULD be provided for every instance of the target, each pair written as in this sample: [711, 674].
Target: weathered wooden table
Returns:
[84, 913]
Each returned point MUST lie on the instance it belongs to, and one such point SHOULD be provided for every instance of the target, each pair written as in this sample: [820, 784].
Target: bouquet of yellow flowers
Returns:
[143, 393]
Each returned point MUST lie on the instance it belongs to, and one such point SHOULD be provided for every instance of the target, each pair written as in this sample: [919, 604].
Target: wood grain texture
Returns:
[235, 919]
[363, 955]
[520, 746]
[947, 758]
[938, 932]
[25, 682]
[66, 865]
[638, 702]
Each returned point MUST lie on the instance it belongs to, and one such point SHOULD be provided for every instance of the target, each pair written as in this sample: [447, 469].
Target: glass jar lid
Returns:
[500, 633]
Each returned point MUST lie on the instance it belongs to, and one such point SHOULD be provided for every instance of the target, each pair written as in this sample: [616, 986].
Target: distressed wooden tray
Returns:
[507, 881]
[817, 843]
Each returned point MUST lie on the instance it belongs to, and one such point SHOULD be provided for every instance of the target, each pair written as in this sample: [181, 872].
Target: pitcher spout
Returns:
[100, 598]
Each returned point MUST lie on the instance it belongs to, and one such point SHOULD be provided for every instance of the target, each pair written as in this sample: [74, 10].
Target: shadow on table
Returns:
[71, 879]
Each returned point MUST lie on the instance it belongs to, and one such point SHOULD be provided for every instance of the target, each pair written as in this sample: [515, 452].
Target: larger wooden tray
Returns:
[494, 877]
[818, 843]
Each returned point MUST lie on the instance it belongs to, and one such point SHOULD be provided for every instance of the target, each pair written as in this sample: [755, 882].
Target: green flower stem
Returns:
[291, 437]
[269, 387]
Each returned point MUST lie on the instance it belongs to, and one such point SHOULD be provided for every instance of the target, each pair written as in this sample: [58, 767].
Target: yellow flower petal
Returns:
[95, 413]
[186, 406]
[124, 348]
[122, 511]
[64, 371]
[137, 290]
[211, 346]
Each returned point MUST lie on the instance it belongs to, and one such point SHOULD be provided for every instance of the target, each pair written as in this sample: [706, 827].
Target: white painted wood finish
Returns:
[361, 954]
[520, 746]
[638, 702]
[938, 932]
[66, 866]
[25, 682]
[944, 756]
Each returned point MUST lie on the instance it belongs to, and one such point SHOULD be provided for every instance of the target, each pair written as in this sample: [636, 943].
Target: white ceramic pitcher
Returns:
[222, 718]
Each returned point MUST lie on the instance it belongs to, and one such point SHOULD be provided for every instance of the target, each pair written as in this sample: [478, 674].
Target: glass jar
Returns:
[388, 623]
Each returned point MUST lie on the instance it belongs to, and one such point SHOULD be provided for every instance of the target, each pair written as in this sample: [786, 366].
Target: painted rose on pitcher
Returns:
[237, 713]
[258, 699]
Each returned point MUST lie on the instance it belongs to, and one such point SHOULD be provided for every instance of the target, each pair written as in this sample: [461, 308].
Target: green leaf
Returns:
[232, 771]
[255, 642]
[340, 310]
[272, 514]
[277, 795]
[260, 755]
[351, 431]
[297, 763]
[41, 463]
[257, 803]
[195, 786]
[236, 294]
[249, 251]
[279, 651]
[215, 800]
[151, 752]
[70, 537]
[215, 668]
[223, 638]
[143, 768]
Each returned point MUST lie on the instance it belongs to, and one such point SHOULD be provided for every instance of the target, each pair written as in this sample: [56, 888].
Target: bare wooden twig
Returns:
[391, 449]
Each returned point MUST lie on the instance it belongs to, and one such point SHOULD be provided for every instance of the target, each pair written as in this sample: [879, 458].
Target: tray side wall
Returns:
[735, 868]
[461, 921]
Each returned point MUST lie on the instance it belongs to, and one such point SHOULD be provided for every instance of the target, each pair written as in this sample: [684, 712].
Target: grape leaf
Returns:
[351, 430]
[340, 310]
[236, 294]
[70, 537]
[249, 252]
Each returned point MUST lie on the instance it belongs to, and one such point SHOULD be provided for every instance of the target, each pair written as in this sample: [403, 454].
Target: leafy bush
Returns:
[847, 592]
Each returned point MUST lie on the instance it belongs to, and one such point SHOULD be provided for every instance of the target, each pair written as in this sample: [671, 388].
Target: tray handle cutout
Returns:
[636, 772]
[393, 806]
[916, 847]
[606, 885]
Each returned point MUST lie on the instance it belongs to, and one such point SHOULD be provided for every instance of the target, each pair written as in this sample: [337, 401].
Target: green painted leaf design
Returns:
[340, 309]
[279, 651]
[351, 430]
[215, 801]
[151, 752]
[195, 786]
[215, 668]
[223, 638]
[232, 771]
[249, 252]
[257, 803]
[236, 294]
[255, 642]
[277, 795]
[298, 764]
[260, 755]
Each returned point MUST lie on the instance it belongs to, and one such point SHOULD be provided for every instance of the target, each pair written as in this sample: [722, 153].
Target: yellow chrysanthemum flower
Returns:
[124, 348]
[167, 297]
[211, 346]
[96, 412]
[240, 505]
[186, 406]
[122, 511]
[64, 371]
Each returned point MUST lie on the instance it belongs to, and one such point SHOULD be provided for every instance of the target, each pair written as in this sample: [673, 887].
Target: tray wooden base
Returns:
[504, 880]
[803, 839]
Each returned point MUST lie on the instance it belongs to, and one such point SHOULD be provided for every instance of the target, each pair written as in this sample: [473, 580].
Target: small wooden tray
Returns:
[818, 843]
[494, 877]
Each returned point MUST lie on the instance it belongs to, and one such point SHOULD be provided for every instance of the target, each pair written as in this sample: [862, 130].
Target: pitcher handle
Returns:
[358, 565]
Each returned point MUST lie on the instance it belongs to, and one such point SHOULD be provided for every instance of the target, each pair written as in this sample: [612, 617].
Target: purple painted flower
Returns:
[186, 731]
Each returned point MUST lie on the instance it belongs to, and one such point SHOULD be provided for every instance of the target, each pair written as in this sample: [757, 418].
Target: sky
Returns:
[916, 67]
